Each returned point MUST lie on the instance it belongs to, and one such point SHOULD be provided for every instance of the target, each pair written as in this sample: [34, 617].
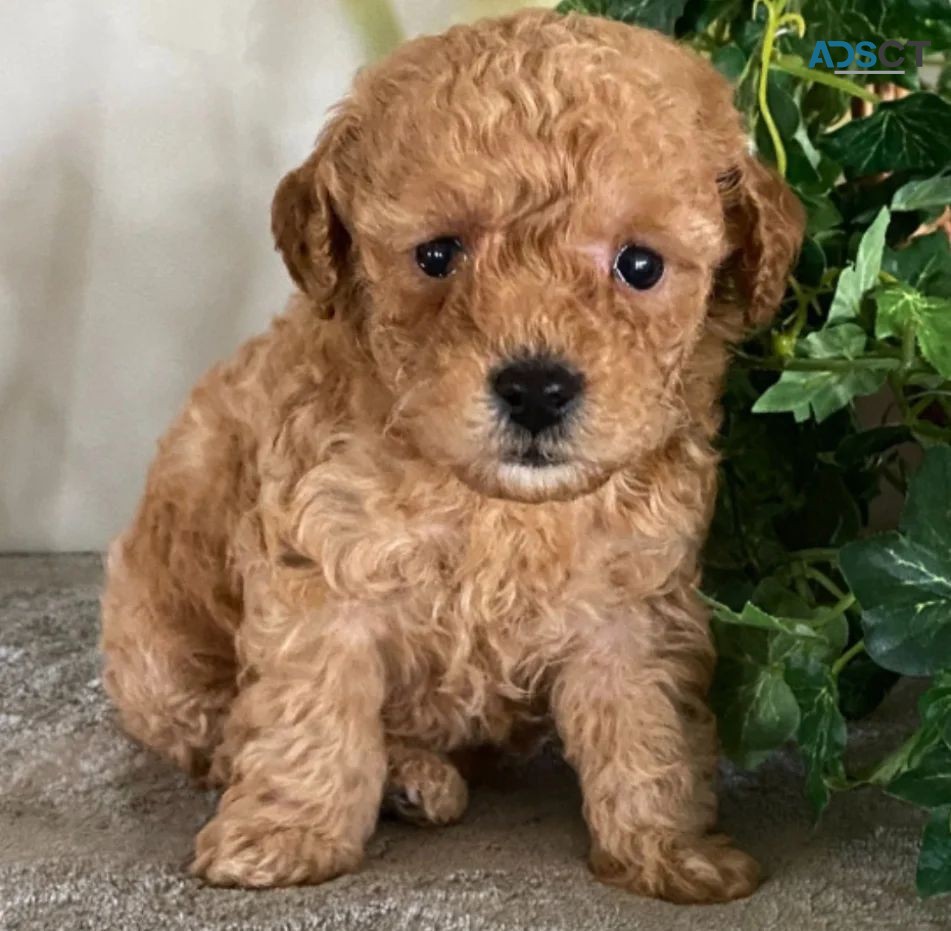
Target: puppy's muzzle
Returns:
[536, 394]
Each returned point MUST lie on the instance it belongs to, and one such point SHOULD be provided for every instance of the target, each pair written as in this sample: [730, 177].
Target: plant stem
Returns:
[791, 65]
[908, 348]
[773, 10]
[840, 607]
[816, 554]
[898, 390]
[928, 394]
[784, 341]
[820, 578]
[847, 657]
[802, 587]
[921, 403]
[827, 365]
[931, 431]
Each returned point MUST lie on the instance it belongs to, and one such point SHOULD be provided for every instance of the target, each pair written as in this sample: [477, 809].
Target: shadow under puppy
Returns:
[464, 480]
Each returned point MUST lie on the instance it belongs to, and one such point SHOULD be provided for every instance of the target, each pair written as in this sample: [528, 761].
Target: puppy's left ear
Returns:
[765, 224]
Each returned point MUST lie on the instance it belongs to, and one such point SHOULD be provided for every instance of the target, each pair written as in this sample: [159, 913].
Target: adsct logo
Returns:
[863, 57]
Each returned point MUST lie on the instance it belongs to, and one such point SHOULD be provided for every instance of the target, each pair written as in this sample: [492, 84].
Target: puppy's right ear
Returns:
[307, 228]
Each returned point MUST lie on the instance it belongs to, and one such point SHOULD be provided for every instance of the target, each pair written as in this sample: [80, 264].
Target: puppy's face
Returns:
[526, 218]
[532, 309]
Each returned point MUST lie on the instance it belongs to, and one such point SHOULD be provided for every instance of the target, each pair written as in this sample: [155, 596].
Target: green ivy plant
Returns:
[816, 616]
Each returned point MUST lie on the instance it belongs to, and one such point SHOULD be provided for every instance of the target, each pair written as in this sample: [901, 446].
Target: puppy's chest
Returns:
[485, 571]
[493, 578]
[517, 581]
[477, 615]
[455, 580]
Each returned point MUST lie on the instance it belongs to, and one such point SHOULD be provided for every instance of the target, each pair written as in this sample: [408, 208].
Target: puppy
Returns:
[464, 480]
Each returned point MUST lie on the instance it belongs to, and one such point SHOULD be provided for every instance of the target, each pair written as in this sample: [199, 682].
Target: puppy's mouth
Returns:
[530, 472]
[533, 457]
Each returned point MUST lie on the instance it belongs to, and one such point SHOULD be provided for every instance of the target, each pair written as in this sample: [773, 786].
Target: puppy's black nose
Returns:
[536, 393]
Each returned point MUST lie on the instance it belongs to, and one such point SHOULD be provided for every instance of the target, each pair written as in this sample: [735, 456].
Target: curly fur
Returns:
[332, 584]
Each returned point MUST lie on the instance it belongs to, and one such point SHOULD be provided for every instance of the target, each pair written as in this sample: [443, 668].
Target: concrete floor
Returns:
[95, 833]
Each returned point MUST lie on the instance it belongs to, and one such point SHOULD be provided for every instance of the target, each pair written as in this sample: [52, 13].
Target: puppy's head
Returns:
[531, 226]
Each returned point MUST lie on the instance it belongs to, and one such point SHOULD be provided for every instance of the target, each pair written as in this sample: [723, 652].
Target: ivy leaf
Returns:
[930, 317]
[823, 392]
[748, 31]
[849, 20]
[756, 710]
[906, 757]
[860, 201]
[822, 730]
[905, 592]
[654, 14]
[812, 263]
[821, 214]
[807, 169]
[925, 263]
[832, 342]
[818, 394]
[934, 706]
[764, 658]
[804, 631]
[823, 104]
[752, 616]
[924, 751]
[830, 512]
[918, 19]
[773, 681]
[700, 15]
[913, 134]
[787, 627]
[911, 769]
[928, 782]
[729, 60]
[873, 442]
[926, 518]
[863, 274]
[848, 296]
[903, 580]
[766, 478]
[934, 860]
[862, 686]
[920, 195]
[775, 598]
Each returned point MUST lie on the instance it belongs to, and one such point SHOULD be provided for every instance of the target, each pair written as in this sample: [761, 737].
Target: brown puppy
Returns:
[467, 474]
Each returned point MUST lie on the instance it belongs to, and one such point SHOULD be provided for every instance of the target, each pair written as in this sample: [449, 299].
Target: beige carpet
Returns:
[95, 833]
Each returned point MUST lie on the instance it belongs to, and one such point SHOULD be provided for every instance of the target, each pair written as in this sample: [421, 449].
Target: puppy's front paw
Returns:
[425, 788]
[232, 852]
[680, 868]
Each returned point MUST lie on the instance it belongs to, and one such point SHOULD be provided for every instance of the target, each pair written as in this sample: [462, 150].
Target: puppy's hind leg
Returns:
[168, 669]
[423, 787]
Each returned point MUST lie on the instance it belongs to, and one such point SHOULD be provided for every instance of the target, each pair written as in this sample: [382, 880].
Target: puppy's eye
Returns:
[638, 267]
[437, 258]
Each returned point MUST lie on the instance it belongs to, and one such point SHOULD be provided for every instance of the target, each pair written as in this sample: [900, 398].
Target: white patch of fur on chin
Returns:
[534, 482]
